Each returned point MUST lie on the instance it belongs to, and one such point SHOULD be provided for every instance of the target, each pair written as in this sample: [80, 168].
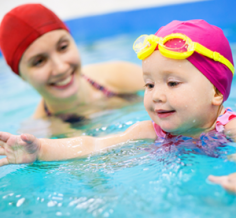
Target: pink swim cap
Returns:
[212, 38]
[21, 26]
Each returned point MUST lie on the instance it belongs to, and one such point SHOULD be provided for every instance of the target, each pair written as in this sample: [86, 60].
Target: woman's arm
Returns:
[127, 77]
[26, 148]
[118, 76]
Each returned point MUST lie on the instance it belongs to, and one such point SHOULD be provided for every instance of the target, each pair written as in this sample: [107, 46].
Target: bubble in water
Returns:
[20, 202]
[59, 213]
[52, 203]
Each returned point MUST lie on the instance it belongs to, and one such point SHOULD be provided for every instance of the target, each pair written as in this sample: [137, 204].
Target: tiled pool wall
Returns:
[86, 27]
[148, 20]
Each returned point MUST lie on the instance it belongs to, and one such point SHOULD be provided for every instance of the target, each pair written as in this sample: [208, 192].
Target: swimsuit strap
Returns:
[105, 91]
[46, 109]
[160, 133]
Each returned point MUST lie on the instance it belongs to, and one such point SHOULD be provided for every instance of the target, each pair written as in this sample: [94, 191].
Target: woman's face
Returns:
[51, 64]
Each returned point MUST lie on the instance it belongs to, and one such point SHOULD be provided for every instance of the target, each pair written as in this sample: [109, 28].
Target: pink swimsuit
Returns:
[221, 121]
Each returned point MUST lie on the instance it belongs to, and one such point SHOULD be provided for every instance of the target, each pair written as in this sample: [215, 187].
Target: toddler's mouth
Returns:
[164, 113]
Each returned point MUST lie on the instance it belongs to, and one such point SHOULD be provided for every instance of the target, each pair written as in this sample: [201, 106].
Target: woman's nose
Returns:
[59, 65]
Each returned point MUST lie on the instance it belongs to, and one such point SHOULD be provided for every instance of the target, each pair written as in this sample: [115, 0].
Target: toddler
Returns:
[187, 69]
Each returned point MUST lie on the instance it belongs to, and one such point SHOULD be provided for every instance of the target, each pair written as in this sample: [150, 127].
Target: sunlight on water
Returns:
[137, 179]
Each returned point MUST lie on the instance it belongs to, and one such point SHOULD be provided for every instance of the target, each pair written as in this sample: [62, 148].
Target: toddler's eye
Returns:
[149, 85]
[172, 84]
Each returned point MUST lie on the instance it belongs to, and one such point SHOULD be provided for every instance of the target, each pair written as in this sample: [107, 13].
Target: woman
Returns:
[39, 48]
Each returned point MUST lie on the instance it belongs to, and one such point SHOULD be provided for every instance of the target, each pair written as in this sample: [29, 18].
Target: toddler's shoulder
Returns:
[143, 130]
[228, 119]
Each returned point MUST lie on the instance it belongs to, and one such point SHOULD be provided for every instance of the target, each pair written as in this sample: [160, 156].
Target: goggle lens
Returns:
[141, 43]
[176, 45]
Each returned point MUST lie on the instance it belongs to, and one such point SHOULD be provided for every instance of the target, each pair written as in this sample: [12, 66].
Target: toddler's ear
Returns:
[218, 98]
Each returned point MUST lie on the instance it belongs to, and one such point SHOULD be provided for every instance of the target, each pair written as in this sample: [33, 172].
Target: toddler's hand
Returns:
[18, 149]
[227, 182]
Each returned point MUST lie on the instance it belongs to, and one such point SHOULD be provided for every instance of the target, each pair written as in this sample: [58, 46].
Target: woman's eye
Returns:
[172, 84]
[149, 86]
[63, 46]
[38, 61]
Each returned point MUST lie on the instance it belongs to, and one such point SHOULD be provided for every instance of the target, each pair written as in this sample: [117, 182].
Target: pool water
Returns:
[136, 179]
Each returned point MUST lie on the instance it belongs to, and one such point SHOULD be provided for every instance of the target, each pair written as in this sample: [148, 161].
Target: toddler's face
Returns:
[178, 97]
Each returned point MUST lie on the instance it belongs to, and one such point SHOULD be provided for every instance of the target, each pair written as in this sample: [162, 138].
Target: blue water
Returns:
[138, 179]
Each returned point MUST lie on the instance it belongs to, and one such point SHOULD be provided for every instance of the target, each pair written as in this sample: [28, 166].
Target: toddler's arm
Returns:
[27, 148]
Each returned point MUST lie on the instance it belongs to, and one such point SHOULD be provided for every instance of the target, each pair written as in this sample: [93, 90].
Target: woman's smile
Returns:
[65, 83]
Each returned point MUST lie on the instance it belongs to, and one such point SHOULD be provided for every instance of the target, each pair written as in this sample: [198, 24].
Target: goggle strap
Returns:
[213, 55]
[174, 54]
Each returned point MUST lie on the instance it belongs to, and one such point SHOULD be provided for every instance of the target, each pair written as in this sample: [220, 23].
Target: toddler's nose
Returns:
[159, 95]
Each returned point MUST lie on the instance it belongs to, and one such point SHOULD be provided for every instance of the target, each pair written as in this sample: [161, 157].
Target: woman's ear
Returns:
[217, 98]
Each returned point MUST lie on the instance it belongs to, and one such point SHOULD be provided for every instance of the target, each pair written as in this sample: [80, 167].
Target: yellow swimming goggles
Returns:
[146, 44]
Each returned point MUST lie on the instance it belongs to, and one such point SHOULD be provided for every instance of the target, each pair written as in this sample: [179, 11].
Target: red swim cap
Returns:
[211, 37]
[21, 26]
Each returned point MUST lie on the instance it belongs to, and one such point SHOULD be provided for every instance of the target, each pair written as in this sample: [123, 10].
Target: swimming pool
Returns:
[136, 180]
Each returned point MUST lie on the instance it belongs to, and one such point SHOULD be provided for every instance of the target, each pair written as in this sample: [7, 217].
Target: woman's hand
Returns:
[227, 182]
[18, 149]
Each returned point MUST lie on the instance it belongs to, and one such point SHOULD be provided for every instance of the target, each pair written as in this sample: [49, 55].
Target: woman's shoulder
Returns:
[117, 76]
[39, 111]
